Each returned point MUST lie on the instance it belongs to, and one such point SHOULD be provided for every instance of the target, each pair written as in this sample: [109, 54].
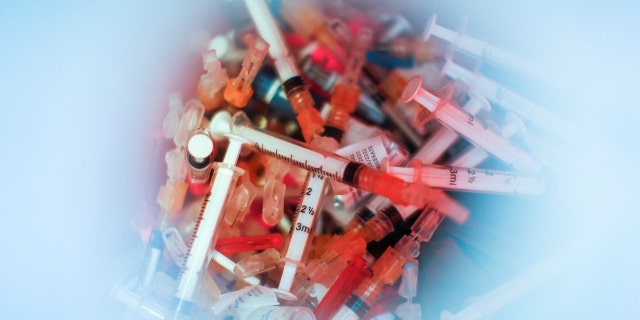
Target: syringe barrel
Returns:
[249, 243]
[330, 164]
[199, 172]
[469, 127]
[195, 268]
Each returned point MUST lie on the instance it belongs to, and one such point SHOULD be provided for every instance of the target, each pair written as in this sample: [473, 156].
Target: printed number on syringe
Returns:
[300, 227]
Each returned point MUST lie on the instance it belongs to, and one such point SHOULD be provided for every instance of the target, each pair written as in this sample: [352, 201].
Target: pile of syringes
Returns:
[326, 145]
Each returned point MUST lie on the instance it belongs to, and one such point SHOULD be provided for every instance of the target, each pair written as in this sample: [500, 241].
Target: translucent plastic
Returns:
[409, 311]
[423, 228]
[357, 57]
[249, 243]
[389, 267]
[274, 190]
[204, 236]
[472, 179]
[269, 31]
[240, 203]
[175, 245]
[308, 21]
[443, 138]
[301, 231]
[171, 196]
[309, 119]
[506, 98]
[345, 246]
[229, 265]
[324, 272]
[399, 192]
[408, 247]
[257, 263]
[224, 45]
[392, 85]
[349, 280]
[189, 121]
[346, 92]
[212, 82]
[238, 90]
[469, 127]
[386, 270]
[376, 228]
[326, 163]
[176, 165]
[415, 47]
[200, 152]
[282, 313]
[409, 282]
[172, 119]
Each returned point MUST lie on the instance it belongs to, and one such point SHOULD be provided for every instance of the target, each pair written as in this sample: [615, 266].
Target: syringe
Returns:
[472, 156]
[448, 207]
[443, 138]
[204, 235]
[485, 306]
[483, 50]
[308, 117]
[306, 214]
[469, 127]
[343, 100]
[308, 21]
[468, 179]
[176, 126]
[504, 97]
[321, 162]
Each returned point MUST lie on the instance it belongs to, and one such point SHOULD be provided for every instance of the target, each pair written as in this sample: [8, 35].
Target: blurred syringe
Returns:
[344, 100]
[483, 50]
[469, 127]
[308, 117]
[195, 266]
[468, 179]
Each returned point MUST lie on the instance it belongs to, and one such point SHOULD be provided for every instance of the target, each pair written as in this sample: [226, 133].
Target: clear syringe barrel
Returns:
[307, 212]
[268, 30]
[199, 153]
[443, 138]
[194, 269]
[309, 21]
[330, 164]
[483, 50]
[472, 179]
[504, 97]
[469, 127]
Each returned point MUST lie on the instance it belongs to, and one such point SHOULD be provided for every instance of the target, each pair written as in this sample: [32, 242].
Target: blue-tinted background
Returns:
[83, 86]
